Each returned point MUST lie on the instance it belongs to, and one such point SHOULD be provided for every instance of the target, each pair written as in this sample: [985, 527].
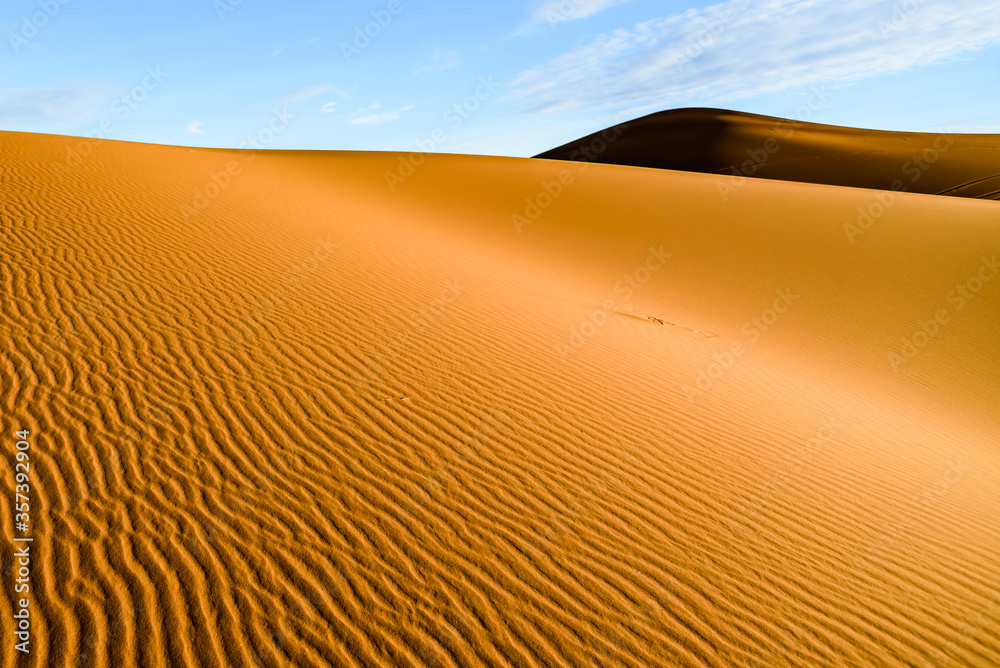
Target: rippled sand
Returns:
[285, 415]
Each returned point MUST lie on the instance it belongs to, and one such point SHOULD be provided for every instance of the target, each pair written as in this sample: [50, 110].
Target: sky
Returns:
[511, 78]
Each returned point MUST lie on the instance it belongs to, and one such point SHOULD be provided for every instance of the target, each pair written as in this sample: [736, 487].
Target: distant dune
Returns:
[375, 409]
[729, 142]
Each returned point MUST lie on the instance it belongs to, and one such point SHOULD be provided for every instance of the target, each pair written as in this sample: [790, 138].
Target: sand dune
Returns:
[749, 145]
[334, 409]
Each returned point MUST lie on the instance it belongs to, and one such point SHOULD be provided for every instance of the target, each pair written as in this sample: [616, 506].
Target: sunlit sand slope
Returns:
[288, 410]
[748, 145]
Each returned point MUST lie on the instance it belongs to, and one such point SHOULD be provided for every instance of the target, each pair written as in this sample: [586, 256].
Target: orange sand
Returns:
[313, 421]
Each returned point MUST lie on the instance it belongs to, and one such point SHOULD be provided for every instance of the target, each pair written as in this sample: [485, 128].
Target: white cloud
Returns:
[374, 119]
[441, 60]
[739, 48]
[989, 129]
[43, 107]
[303, 94]
[554, 12]
[276, 52]
[195, 127]
[329, 107]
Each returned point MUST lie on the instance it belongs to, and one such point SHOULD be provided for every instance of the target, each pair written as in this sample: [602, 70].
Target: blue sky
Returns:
[511, 78]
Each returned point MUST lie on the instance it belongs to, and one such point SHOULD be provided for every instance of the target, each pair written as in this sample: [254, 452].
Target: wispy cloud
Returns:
[736, 49]
[375, 119]
[46, 107]
[441, 60]
[310, 92]
[194, 127]
[303, 94]
[554, 12]
[980, 129]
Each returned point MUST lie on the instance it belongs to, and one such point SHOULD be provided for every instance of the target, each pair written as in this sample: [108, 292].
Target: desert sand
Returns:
[750, 145]
[288, 410]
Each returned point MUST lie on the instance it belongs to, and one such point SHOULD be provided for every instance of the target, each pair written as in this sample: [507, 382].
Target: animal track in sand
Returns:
[631, 313]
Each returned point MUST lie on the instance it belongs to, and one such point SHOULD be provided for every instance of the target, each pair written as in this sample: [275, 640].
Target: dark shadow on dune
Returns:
[749, 145]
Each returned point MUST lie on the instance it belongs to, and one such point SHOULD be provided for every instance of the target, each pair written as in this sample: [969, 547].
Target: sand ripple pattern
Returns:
[296, 429]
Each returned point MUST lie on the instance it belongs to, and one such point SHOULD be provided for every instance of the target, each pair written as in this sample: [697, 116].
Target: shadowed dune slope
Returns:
[718, 141]
[510, 413]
